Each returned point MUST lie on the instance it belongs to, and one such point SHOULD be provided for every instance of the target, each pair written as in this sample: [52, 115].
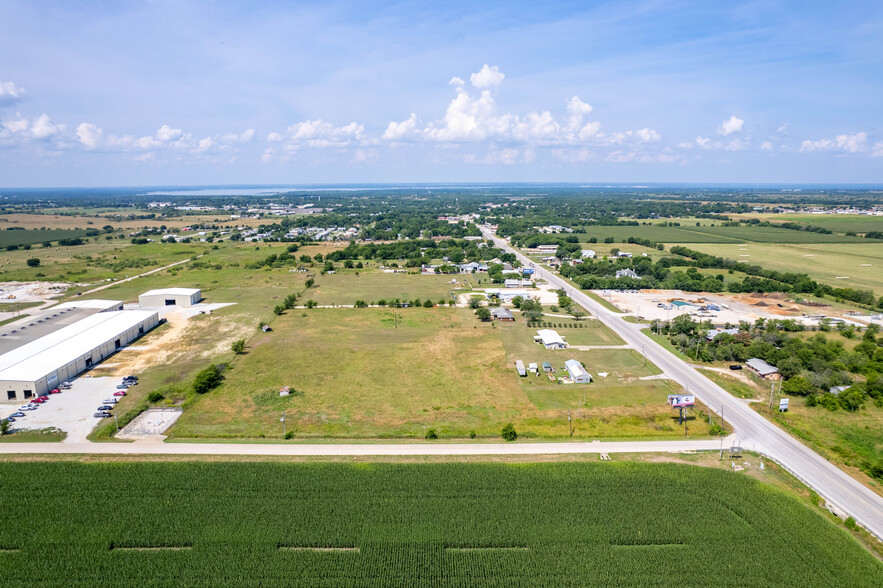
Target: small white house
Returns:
[627, 273]
[587, 254]
[577, 372]
[512, 283]
[171, 297]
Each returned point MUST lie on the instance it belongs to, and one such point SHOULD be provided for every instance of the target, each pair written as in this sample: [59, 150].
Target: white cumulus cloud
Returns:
[44, 128]
[849, 143]
[10, 93]
[398, 130]
[486, 77]
[877, 151]
[89, 135]
[730, 126]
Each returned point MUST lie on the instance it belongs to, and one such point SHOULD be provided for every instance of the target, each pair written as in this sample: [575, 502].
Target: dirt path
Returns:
[157, 351]
[153, 271]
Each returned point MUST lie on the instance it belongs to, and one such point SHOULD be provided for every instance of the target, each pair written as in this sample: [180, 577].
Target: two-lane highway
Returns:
[752, 429]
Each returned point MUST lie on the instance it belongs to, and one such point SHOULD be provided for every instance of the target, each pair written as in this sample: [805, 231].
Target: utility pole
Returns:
[772, 387]
[570, 423]
[283, 424]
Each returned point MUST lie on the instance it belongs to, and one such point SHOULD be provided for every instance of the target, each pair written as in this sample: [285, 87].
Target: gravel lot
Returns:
[71, 411]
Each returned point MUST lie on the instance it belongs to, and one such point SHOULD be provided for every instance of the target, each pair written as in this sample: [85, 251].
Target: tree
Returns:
[33, 262]
[207, 380]
[798, 386]
[790, 367]
[238, 346]
[577, 313]
[312, 304]
[361, 304]
[474, 303]
[508, 433]
[4, 427]
[309, 283]
[155, 397]
[431, 434]
[427, 303]
[483, 314]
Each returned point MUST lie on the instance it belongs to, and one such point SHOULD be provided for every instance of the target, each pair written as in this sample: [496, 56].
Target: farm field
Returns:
[862, 263]
[564, 524]
[839, 223]
[709, 234]
[357, 375]
[31, 237]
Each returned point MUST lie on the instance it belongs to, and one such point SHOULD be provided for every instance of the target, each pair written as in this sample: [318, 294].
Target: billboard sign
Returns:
[783, 405]
[679, 400]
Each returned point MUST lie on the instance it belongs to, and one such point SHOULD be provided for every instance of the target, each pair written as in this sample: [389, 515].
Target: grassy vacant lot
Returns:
[566, 524]
[847, 439]
[862, 263]
[358, 376]
[344, 287]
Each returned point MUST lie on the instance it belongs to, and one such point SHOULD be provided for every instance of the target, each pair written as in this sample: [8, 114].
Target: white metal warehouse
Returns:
[171, 297]
[37, 367]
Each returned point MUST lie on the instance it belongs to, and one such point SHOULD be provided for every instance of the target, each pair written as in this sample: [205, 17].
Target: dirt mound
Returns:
[761, 303]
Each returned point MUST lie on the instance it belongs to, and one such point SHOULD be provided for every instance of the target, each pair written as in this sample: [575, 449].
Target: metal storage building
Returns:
[577, 372]
[550, 339]
[171, 297]
[519, 367]
[37, 367]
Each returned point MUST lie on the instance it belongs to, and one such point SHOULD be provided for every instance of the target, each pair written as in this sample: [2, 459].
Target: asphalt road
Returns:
[752, 430]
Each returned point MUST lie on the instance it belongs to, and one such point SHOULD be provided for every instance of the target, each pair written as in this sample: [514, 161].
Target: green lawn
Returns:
[375, 524]
[839, 223]
[29, 237]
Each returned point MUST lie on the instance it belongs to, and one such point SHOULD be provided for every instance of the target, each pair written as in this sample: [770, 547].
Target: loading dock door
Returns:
[117, 344]
[170, 302]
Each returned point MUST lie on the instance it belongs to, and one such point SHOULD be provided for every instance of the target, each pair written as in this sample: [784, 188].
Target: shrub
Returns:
[289, 435]
[431, 434]
[472, 435]
[238, 346]
[716, 430]
[155, 396]
[207, 380]
[509, 433]
[33, 262]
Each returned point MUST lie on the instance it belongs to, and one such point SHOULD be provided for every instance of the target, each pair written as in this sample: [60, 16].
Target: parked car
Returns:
[110, 400]
[135, 378]
[122, 386]
[55, 391]
[119, 393]
[18, 414]
[9, 419]
[735, 367]
[66, 386]
[39, 399]
[105, 408]
[102, 415]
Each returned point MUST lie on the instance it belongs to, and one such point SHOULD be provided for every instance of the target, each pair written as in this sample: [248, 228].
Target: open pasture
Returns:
[379, 373]
[839, 223]
[375, 524]
[858, 265]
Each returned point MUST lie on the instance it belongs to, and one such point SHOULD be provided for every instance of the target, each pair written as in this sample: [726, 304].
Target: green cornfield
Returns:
[278, 524]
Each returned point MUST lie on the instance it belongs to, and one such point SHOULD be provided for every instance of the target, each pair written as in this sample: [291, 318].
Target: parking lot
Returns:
[71, 411]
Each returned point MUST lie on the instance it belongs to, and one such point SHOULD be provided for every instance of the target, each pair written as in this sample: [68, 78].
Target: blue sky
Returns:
[198, 92]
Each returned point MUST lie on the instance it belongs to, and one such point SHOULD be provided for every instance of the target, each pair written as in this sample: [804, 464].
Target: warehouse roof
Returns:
[172, 292]
[97, 303]
[38, 358]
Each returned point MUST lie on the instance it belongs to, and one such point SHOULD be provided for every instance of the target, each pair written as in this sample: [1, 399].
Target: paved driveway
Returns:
[71, 411]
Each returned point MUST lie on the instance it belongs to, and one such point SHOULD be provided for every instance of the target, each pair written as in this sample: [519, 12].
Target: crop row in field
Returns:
[29, 237]
[712, 234]
[250, 524]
